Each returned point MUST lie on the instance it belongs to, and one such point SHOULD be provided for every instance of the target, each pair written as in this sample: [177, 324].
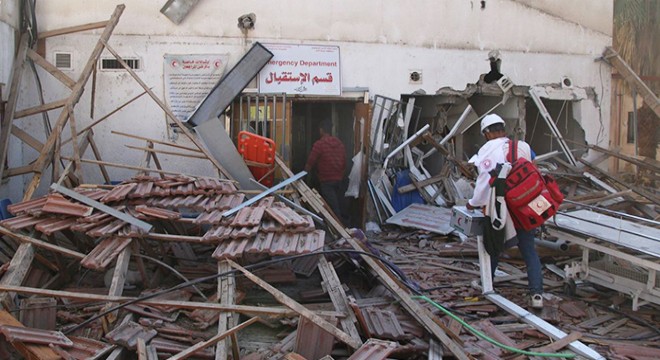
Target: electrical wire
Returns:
[483, 336]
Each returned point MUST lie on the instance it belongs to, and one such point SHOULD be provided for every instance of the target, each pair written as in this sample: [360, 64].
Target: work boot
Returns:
[537, 301]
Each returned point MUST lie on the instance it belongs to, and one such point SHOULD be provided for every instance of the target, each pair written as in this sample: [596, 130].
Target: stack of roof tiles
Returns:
[265, 227]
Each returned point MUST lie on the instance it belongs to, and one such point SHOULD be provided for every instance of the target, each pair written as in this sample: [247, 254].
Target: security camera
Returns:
[247, 21]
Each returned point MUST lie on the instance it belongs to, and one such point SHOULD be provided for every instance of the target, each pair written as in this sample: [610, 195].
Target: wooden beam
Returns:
[295, 306]
[155, 141]
[559, 344]
[420, 313]
[118, 281]
[204, 344]
[21, 170]
[191, 305]
[52, 69]
[632, 79]
[41, 108]
[125, 166]
[632, 160]
[73, 29]
[15, 274]
[10, 106]
[46, 153]
[42, 244]
[654, 198]
[152, 150]
[169, 113]
[410, 187]
[338, 297]
[226, 295]
[26, 138]
[97, 155]
[96, 122]
[77, 166]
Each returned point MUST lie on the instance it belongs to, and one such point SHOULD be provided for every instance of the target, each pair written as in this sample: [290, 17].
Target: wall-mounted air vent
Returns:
[113, 64]
[63, 60]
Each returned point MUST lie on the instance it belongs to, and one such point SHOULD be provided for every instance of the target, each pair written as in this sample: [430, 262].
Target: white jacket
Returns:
[492, 153]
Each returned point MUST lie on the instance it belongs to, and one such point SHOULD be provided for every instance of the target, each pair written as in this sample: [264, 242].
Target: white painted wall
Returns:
[9, 16]
[380, 42]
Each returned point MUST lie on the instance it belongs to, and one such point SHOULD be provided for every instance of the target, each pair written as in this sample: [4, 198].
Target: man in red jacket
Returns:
[329, 157]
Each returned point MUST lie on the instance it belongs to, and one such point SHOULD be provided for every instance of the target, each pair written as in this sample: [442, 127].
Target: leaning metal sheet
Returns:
[618, 231]
[425, 217]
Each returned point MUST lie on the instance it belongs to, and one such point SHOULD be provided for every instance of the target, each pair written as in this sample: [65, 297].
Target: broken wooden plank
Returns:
[15, 274]
[243, 309]
[25, 137]
[654, 198]
[226, 289]
[41, 244]
[204, 344]
[73, 29]
[40, 108]
[118, 280]
[52, 69]
[297, 307]
[338, 297]
[559, 344]
[122, 166]
[632, 79]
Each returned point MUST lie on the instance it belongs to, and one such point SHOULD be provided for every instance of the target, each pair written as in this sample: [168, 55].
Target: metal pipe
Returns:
[408, 141]
[374, 198]
[265, 193]
[561, 245]
[291, 203]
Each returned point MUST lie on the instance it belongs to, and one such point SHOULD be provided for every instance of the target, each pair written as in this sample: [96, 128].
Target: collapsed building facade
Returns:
[176, 95]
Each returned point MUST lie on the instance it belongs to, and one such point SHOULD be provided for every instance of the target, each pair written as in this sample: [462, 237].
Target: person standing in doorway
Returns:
[329, 157]
[492, 153]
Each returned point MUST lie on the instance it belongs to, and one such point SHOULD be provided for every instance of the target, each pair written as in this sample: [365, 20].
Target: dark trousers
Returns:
[332, 193]
[528, 251]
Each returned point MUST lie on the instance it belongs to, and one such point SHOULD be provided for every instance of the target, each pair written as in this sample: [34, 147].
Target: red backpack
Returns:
[531, 197]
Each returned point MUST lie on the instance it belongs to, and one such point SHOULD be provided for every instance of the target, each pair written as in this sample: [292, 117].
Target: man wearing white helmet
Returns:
[490, 154]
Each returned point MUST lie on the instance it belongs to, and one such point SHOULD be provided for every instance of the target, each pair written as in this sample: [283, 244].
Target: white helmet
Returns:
[489, 120]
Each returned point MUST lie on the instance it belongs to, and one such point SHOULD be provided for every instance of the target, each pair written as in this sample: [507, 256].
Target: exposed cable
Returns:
[483, 336]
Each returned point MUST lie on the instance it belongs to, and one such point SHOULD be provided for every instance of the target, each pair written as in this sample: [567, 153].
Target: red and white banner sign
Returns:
[301, 69]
